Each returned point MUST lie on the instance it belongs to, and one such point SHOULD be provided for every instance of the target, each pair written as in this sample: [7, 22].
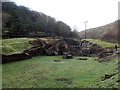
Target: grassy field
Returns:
[0, 76]
[41, 72]
[101, 43]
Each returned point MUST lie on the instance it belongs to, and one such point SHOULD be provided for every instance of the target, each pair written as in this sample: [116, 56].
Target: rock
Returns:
[109, 50]
[118, 81]
[82, 59]
[84, 41]
[35, 51]
[117, 52]
[68, 56]
[105, 53]
[71, 46]
[95, 50]
[90, 43]
[111, 85]
[15, 57]
[37, 42]
[55, 53]
[62, 79]
[62, 47]
[57, 61]
[107, 76]
[58, 49]
[94, 45]
[51, 53]
[69, 81]
[85, 51]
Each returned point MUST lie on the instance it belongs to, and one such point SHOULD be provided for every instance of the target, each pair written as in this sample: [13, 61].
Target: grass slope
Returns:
[18, 45]
[14, 45]
[101, 43]
[41, 72]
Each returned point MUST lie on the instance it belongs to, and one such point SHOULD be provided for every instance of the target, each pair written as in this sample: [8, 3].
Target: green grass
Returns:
[0, 76]
[14, 45]
[41, 72]
[101, 43]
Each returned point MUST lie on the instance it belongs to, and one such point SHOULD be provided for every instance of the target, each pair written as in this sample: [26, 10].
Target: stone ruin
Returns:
[65, 47]
[62, 47]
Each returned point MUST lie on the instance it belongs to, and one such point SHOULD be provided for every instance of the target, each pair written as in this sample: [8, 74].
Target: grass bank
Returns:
[18, 45]
[14, 45]
[101, 43]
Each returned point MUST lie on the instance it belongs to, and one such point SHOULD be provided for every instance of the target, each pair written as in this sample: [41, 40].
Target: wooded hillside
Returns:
[21, 21]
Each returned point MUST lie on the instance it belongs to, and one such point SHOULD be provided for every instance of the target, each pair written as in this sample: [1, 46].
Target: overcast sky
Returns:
[75, 12]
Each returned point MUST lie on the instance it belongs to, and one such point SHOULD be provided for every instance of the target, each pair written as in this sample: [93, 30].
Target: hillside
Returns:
[20, 21]
[107, 32]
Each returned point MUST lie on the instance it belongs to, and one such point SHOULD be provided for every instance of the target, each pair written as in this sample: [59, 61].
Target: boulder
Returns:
[68, 56]
[105, 52]
[109, 51]
[94, 45]
[118, 81]
[107, 76]
[52, 53]
[36, 51]
[85, 51]
[69, 81]
[57, 61]
[37, 42]
[62, 47]
[95, 50]
[82, 59]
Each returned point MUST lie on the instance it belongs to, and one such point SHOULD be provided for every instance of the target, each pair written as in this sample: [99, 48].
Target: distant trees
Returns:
[19, 20]
[75, 32]
[63, 29]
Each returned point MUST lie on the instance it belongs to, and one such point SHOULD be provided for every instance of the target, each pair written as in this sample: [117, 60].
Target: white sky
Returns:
[75, 12]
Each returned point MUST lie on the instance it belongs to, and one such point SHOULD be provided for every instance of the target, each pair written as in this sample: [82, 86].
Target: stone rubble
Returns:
[66, 47]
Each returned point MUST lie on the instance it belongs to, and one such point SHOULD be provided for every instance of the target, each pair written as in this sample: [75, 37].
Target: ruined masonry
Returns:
[65, 47]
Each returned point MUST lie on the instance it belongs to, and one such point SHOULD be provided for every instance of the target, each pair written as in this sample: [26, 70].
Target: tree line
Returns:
[20, 20]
